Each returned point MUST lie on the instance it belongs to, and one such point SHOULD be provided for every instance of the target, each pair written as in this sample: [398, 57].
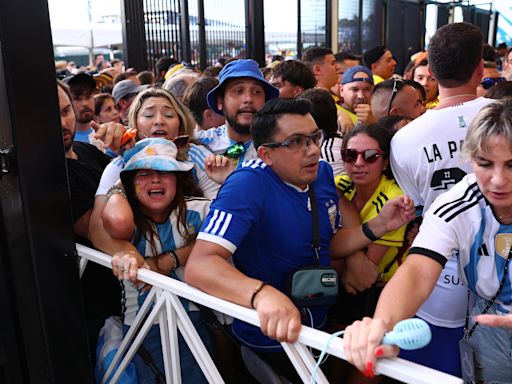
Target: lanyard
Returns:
[316, 233]
[491, 302]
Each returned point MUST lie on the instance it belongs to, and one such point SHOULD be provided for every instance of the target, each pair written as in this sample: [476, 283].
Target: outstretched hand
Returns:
[495, 320]
[218, 168]
[397, 212]
[362, 344]
[110, 133]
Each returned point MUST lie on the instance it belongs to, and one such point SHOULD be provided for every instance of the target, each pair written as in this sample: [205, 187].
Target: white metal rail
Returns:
[171, 314]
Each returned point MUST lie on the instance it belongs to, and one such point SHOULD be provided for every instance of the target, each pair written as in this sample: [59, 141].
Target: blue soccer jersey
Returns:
[267, 225]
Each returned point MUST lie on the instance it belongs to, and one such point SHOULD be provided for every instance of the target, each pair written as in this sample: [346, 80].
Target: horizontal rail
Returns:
[400, 369]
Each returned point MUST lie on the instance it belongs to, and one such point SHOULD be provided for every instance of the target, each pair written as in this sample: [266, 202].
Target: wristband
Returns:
[256, 291]
[368, 232]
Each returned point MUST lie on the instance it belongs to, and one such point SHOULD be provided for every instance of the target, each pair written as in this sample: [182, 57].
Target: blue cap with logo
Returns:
[236, 69]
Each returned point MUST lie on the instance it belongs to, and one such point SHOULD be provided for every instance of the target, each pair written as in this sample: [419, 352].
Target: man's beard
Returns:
[241, 129]
[68, 145]
[85, 116]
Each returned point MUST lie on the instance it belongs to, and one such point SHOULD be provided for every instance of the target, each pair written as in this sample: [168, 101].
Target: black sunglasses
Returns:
[369, 155]
[489, 82]
[397, 86]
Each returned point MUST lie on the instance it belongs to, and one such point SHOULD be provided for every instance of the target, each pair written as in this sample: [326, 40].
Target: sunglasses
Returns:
[397, 86]
[297, 142]
[488, 82]
[234, 151]
[369, 155]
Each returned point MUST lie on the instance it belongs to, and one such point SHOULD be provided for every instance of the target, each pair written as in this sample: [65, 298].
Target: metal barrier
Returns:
[172, 316]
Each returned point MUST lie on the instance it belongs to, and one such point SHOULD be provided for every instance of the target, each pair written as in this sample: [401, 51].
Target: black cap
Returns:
[80, 79]
[372, 55]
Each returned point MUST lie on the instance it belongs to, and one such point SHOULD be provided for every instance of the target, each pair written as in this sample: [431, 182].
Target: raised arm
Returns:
[394, 214]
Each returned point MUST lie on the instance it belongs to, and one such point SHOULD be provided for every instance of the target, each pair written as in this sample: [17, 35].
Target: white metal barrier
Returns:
[172, 316]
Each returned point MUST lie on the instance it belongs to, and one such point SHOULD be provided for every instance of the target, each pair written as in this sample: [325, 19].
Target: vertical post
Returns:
[299, 31]
[202, 34]
[43, 328]
[334, 25]
[186, 54]
[328, 24]
[134, 34]
[255, 27]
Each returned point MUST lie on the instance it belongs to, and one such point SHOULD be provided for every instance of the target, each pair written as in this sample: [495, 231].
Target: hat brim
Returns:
[270, 91]
[161, 163]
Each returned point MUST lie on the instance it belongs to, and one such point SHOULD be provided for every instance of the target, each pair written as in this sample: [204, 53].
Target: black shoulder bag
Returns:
[313, 286]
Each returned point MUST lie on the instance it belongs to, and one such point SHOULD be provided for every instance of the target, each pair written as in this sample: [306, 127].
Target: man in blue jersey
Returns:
[262, 217]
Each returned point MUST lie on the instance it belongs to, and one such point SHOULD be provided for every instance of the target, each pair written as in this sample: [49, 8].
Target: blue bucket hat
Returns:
[240, 68]
[156, 154]
[348, 76]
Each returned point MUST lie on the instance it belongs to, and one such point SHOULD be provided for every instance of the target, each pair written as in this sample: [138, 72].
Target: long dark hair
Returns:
[185, 186]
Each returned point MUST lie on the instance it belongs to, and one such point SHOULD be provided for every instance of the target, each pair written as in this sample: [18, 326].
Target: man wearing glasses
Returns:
[263, 217]
[490, 78]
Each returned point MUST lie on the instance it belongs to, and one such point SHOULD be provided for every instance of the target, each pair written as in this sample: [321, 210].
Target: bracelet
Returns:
[256, 291]
[368, 232]
[115, 189]
[175, 259]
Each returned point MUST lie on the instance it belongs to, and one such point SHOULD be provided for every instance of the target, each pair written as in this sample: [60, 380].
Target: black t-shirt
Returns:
[100, 288]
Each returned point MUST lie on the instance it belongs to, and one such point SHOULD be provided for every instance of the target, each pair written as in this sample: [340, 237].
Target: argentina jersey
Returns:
[462, 221]
[169, 235]
[218, 141]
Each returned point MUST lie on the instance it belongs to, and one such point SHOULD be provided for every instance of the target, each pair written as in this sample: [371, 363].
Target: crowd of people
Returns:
[235, 178]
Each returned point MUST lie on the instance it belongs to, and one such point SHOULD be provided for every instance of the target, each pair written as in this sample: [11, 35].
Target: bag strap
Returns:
[316, 232]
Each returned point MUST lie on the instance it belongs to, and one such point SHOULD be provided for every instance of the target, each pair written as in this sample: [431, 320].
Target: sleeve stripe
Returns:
[212, 220]
[226, 225]
[220, 220]
[217, 240]
[429, 253]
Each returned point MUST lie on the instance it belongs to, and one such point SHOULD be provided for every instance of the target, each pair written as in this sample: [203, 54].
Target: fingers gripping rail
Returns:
[299, 354]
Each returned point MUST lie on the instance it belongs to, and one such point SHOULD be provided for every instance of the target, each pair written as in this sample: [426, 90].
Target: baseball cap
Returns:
[372, 55]
[81, 78]
[125, 88]
[156, 154]
[348, 76]
[236, 69]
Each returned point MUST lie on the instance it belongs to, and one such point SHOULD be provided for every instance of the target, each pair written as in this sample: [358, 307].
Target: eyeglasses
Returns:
[488, 82]
[369, 155]
[234, 150]
[181, 141]
[298, 142]
[397, 86]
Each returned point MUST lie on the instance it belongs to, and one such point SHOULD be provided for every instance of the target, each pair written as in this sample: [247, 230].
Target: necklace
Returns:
[462, 95]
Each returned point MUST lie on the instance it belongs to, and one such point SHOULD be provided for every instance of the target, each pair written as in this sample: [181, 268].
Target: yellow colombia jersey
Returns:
[387, 190]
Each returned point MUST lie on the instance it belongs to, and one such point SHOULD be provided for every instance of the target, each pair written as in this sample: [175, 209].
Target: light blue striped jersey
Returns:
[217, 141]
[169, 238]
